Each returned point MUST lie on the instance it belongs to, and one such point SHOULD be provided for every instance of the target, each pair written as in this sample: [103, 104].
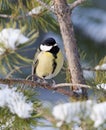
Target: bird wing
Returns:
[54, 65]
[35, 62]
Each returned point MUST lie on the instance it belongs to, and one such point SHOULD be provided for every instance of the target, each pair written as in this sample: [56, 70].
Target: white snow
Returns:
[15, 101]
[69, 112]
[101, 86]
[98, 114]
[75, 111]
[10, 38]
[36, 11]
[101, 67]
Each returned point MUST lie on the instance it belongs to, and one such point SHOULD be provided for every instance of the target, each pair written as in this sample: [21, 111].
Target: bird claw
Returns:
[44, 81]
[53, 83]
[77, 92]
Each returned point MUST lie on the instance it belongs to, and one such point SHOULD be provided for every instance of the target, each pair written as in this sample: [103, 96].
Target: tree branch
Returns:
[44, 85]
[19, 16]
[93, 69]
[70, 84]
[63, 13]
[5, 16]
[10, 16]
[76, 3]
[50, 8]
[35, 84]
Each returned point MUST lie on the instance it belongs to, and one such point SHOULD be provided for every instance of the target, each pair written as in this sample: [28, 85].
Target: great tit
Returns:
[48, 60]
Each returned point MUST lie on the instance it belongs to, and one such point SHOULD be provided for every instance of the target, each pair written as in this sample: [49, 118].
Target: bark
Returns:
[63, 13]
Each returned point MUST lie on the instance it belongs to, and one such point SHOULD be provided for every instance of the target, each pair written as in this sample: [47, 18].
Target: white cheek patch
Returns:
[45, 48]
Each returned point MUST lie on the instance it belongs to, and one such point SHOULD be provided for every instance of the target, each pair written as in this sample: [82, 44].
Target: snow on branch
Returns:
[101, 67]
[101, 86]
[10, 38]
[78, 111]
[15, 101]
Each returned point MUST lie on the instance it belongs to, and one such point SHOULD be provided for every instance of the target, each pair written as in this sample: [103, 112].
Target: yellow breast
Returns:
[44, 67]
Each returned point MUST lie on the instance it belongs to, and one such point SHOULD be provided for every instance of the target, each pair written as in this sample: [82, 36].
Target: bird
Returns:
[48, 59]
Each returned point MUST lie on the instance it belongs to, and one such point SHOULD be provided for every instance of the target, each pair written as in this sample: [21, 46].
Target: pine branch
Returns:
[17, 17]
[76, 3]
[10, 16]
[72, 6]
[43, 85]
[35, 84]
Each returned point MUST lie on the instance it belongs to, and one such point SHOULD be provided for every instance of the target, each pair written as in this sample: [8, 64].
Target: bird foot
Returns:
[53, 83]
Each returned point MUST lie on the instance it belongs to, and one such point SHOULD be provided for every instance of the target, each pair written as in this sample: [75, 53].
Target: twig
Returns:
[93, 69]
[16, 69]
[35, 84]
[10, 16]
[70, 84]
[17, 17]
[76, 3]
[87, 69]
[5, 16]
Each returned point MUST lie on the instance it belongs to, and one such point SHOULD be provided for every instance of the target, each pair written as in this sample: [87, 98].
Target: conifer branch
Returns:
[35, 84]
[10, 16]
[42, 84]
[17, 17]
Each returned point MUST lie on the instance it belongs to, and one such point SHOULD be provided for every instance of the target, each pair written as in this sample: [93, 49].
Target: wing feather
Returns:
[35, 62]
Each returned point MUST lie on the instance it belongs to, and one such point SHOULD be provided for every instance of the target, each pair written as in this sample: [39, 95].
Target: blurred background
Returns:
[89, 22]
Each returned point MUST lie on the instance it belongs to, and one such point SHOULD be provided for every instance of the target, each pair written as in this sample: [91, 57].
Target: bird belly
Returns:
[45, 65]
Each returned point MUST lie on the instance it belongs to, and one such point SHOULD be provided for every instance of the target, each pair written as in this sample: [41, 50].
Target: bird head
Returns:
[48, 44]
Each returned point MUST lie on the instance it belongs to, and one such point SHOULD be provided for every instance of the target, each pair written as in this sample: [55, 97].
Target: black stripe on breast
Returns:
[54, 65]
[54, 51]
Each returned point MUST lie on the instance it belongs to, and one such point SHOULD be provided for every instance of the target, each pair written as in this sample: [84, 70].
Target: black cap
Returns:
[49, 41]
